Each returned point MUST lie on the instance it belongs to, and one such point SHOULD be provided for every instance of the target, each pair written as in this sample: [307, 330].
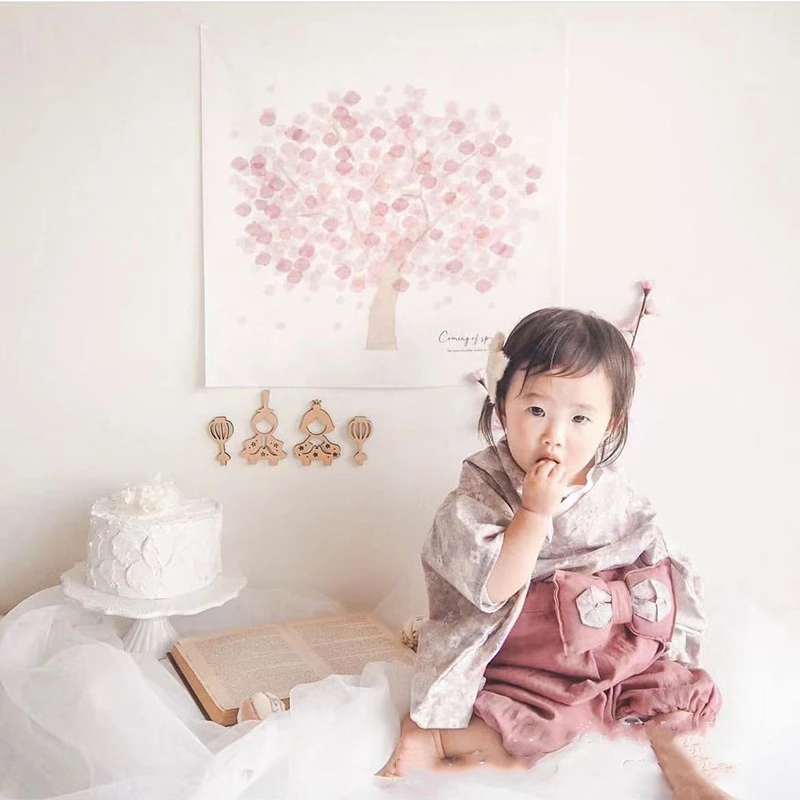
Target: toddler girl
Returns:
[556, 605]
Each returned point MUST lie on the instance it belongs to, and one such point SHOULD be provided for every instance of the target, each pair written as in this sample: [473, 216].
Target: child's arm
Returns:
[470, 529]
[527, 531]
[524, 537]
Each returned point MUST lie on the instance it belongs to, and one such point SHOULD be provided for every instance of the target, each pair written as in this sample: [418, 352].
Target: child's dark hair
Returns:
[568, 343]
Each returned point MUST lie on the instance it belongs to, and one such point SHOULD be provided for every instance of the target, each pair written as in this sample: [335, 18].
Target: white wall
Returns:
[683, 167]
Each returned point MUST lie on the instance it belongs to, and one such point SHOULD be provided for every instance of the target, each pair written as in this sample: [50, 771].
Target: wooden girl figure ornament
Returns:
[316, 446]
[263, 446]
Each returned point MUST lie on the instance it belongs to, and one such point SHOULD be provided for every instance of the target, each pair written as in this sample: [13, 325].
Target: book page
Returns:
[235, 665]
[348, 643]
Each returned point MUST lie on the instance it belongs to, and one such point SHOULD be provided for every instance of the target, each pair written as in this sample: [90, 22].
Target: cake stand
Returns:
[151, 631]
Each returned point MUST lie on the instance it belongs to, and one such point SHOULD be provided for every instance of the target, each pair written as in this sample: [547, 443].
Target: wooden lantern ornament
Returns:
[359, 430]
[221, 429]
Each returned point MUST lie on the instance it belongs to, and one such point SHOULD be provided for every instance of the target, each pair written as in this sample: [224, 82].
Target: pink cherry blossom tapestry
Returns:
[382, 191]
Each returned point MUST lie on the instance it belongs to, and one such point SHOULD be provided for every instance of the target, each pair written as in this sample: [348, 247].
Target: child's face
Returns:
[564, 419]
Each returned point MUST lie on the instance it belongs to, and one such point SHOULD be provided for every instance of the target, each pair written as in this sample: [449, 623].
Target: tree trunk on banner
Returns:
[382, 321]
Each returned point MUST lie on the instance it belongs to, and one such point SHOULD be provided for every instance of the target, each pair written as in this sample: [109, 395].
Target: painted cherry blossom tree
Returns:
[384, 198]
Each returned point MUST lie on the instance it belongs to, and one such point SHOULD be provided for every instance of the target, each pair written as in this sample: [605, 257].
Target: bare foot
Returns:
[666, 727]
[479, 759]
[677, 725]
[683, 772]
[417, 749]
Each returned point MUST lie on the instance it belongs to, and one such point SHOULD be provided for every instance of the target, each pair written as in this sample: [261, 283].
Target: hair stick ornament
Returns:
[316, 446]
[359, 429]
[221, 429]
[263, 446]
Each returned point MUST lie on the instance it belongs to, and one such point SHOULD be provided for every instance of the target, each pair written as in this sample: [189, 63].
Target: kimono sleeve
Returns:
[467, 535]
[690, 621]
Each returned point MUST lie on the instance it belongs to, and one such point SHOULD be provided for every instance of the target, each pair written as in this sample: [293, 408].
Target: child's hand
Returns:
[543, 487]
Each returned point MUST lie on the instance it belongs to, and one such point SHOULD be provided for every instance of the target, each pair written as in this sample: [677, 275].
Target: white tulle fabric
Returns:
[80, 719]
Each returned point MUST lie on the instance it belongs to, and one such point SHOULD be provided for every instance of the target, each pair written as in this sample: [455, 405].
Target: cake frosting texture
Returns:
[152, 542]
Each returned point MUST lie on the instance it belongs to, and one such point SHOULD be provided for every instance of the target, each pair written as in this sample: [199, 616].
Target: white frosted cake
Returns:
[152, 542]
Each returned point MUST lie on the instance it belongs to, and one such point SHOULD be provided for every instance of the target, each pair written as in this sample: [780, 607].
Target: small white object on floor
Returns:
[409, 633]
[264, 704]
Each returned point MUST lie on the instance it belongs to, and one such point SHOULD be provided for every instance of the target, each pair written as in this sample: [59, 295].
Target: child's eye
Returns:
[536, 411]
[581, 419]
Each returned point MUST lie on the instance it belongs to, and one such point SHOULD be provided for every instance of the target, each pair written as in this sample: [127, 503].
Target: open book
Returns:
[223, 669]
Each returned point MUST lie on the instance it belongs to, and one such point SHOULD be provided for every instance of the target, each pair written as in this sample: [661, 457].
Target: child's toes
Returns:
[389, 769]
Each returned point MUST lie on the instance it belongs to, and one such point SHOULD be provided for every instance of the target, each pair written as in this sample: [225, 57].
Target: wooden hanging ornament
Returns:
[221, 429]
[263, 446]
[359, 430]
[316, 446]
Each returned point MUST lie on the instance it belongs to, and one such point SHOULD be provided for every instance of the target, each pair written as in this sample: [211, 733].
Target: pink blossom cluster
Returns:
[631, 329]
[357, 194]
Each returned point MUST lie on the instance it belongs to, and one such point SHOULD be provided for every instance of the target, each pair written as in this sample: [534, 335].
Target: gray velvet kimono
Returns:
[609, 526]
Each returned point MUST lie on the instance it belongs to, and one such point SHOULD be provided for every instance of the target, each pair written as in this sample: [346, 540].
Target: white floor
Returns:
[81, 718]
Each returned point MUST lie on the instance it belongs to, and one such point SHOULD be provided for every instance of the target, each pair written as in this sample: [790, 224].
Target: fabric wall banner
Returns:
[382, 191]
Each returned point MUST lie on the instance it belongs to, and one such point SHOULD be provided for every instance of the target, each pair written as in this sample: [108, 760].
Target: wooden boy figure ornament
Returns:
[316, 446]
[263, 446]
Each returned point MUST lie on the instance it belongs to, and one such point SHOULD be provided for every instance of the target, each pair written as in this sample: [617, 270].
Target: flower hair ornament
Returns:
[631, 329]
[496, 364]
